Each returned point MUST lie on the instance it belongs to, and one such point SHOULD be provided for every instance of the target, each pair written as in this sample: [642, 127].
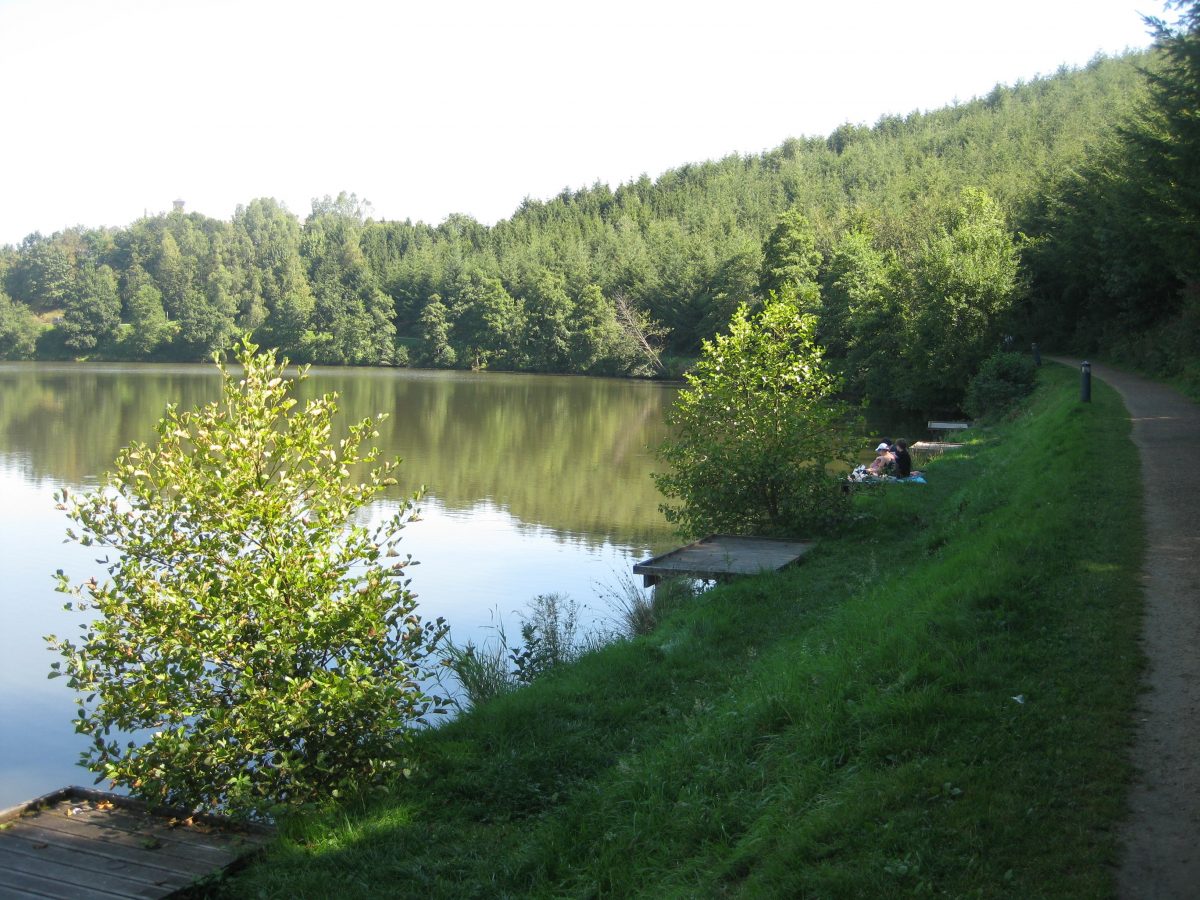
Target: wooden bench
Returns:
[941, 427]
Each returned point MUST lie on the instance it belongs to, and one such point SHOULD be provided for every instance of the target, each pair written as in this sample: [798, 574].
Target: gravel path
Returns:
[1161, 839]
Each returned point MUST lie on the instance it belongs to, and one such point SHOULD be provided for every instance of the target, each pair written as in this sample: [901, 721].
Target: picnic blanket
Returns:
[860, 475]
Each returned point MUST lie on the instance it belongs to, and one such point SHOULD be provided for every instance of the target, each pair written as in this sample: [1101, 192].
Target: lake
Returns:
[536, 484]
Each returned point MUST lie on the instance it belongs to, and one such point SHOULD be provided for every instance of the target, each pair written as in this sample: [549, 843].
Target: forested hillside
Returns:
[1117, 263]
[906, 237]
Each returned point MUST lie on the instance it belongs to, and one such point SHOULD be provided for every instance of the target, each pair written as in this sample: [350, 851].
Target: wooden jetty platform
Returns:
[721, 556]
[80, 843]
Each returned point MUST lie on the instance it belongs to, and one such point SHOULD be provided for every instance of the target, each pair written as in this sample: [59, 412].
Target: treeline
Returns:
[1116, 266]
[905, 235]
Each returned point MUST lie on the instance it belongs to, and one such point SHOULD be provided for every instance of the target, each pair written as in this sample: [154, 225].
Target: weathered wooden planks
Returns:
[79, 843]
[721, 556]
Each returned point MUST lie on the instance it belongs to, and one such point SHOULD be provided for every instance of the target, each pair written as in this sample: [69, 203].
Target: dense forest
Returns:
[1062, 210]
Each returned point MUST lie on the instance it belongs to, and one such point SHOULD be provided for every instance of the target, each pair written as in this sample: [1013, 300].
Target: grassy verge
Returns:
[937, 702]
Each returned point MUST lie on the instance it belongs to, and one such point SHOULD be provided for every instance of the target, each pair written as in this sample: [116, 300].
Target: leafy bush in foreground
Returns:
[252, 647]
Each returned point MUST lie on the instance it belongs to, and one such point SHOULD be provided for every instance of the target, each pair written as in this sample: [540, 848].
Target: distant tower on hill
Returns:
[178, 204]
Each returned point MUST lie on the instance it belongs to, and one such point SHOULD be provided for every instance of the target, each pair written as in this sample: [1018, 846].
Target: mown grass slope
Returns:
[937, 702]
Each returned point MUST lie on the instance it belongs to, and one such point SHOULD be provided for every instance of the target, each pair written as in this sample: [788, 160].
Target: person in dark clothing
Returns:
[903, 460]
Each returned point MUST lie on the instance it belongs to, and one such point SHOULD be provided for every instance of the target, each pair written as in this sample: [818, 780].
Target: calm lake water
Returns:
[535, 485]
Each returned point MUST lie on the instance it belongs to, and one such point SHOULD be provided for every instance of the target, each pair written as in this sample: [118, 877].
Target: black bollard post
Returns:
[1085, 382]
[1037, 354]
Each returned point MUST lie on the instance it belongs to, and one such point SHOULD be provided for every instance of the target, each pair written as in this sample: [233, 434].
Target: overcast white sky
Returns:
[113, 108]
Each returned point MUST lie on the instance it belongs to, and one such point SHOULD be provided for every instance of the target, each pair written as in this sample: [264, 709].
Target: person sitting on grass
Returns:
[884, 461]
[904, 467]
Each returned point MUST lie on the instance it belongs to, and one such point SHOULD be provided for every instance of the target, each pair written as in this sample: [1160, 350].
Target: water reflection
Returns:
[566, 453]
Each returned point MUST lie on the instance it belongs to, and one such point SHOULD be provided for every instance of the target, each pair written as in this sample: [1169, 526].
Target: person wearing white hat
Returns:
[883, 461]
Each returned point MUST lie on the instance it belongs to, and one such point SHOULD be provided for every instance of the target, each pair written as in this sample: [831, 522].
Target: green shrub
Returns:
[755, 430]
[252, 647]
[1002, 380]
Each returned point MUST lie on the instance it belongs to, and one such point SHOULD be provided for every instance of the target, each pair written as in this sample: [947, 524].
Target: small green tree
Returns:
[254, 645]
[149, 326]
[791, 259]
[18, 330]
[755, 430]
[93, 309]
[435, 335]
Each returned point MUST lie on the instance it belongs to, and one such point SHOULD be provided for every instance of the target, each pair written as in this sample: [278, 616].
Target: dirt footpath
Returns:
[1161, 839]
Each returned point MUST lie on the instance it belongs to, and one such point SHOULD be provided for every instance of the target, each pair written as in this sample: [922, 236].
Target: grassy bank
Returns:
[936, 702]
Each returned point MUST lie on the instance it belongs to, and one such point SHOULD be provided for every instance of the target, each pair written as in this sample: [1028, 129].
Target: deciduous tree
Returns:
[18, 330]
[436, 351]
[149, 327]
[755, 431]
[93, 309]
[253, 644]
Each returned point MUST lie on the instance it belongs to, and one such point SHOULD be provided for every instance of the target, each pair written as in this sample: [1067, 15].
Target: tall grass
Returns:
[483, 672]
[637, 611]
[550, 638]
[937, 701]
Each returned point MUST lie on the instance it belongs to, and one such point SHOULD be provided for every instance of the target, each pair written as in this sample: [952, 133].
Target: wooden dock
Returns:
[80, 843]
[722, 556]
